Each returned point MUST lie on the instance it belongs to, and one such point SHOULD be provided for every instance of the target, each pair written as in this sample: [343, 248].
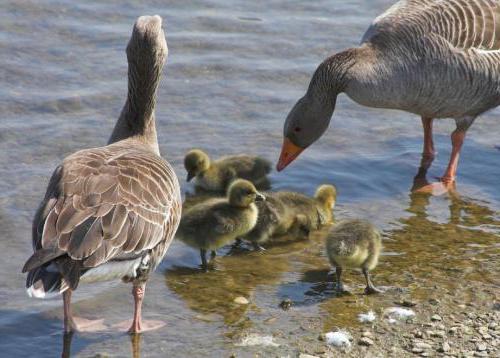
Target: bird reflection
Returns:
[135, 341]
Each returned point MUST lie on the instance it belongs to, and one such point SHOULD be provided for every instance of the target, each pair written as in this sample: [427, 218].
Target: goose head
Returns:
[242, 193]
[147, 48]
[311, 115]
[196, 162]
[304, 125]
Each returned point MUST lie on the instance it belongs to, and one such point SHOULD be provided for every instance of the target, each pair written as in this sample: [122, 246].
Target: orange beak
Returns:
[289, 152]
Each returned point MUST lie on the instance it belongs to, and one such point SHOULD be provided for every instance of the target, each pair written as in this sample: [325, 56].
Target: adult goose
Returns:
[111, 212]
[434, 58]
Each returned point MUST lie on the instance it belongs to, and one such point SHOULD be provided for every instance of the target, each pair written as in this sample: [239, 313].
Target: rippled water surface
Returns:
[235, 68]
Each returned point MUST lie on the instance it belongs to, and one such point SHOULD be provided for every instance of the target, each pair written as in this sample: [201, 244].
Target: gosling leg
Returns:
[370, 288]
[203, 256]
[340, 285]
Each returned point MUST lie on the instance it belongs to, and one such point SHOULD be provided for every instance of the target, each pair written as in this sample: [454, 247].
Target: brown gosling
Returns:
[292, 213]
[218, 222]
[217, 175]
[354, 244]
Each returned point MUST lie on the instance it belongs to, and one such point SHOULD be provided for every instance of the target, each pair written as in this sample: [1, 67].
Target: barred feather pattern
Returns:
[435, 58]
[109, 202]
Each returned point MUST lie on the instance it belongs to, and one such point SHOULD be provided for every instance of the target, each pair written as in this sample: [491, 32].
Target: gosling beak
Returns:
[289, 152]
[260, 197]
[189, 177]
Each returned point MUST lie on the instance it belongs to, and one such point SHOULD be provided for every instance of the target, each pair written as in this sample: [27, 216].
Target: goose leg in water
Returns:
[72, 324]
[428, 152]
[457, 140]
[370, 288]
[138, 325]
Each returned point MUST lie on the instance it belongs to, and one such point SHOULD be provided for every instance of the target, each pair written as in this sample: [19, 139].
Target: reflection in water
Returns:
[66, 351]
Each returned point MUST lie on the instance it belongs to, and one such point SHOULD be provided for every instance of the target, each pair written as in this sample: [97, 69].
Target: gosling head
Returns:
[242, 193]
[147, 47]
[326, 195]
[196, 162]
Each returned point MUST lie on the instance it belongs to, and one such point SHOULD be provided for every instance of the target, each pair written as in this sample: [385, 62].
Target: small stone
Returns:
[437, 334]
[406, 303]
[481, 347]
[492, 325]
[481, 354]
[440, 327]
[496, 306]
[241, 300]
[365, 341]
[305, 355]
[286, 304]
[321, 337]
[434, 301]
[417, 350]
[453, 330]
[367, 334]
[422, 345]
[483, 329]
[445, 347]
[436, 318]
[418, 334]
[425, 354]
[486, 337]
[462, 306]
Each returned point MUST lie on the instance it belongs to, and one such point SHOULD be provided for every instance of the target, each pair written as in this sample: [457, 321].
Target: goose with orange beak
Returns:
[418, 57]
[305, 124]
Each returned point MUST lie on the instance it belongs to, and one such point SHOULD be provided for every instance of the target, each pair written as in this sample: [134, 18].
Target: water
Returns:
[235, 69]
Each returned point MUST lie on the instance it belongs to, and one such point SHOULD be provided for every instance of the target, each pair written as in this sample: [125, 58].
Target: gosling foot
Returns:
[372, 290]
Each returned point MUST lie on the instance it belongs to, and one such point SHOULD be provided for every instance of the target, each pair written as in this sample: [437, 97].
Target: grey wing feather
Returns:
[463, 24]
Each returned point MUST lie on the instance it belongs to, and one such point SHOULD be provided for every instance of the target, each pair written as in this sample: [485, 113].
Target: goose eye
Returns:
[297, 129]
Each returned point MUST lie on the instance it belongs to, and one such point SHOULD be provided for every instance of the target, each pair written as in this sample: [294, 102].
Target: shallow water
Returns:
[235, 69]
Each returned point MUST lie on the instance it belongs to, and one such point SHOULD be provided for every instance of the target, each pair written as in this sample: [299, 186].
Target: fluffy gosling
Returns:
[217, 175]
[354, 244]
[293, 214]
[214, 223]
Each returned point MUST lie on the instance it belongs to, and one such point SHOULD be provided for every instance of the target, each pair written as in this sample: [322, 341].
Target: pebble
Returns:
[417, 350]
[434, 301]
[445, 347]
[436, 317]
[367, 334]
[241, 300]
[480, 354]
[365, 341]
[481, 347]
[422, 345]
[305, 355]
[286, 304]
[436, 334]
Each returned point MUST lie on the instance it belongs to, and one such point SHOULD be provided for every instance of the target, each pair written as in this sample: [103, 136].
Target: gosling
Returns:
[217, 175]
[218, 222]
[354, 244]
[293, 214]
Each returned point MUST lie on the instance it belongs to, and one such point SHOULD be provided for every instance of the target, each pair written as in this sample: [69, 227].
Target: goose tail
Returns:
[45, 282]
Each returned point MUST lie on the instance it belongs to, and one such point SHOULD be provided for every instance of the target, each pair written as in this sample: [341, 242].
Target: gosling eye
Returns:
[297, 129]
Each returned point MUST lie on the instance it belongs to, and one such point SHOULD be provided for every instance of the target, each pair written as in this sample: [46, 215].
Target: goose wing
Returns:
[463, 24]
[105, 202]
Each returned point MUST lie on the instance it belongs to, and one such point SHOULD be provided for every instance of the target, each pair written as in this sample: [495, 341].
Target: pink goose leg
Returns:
[72, 324]
[428, 152]
[457, 140]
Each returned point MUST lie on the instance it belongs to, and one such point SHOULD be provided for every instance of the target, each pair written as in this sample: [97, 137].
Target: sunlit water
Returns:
[235, 68]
